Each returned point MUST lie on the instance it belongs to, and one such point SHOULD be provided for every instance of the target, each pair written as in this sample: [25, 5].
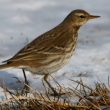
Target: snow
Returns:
[23, 20]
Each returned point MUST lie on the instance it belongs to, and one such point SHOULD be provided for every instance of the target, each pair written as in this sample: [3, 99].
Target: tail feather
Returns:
[10, 64]
[3, 66]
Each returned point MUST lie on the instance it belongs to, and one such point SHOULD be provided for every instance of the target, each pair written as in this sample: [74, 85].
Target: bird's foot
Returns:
[57, 94]
[26, 88]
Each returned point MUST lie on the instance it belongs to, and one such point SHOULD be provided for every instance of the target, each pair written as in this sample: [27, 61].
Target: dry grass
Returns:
[87, 99]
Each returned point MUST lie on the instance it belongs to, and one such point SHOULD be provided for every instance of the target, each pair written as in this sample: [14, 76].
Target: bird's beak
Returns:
[93, 17]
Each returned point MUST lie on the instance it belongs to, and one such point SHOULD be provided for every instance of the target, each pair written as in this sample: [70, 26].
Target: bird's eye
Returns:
[82, 16]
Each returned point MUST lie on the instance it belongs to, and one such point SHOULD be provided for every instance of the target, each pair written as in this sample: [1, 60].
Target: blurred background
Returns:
[23, 20]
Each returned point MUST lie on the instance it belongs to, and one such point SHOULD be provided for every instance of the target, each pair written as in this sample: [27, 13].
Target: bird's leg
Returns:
[25, 78]
[54, 91]
[25, 88]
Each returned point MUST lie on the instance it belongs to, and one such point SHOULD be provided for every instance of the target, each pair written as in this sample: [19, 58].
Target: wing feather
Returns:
[49, 44]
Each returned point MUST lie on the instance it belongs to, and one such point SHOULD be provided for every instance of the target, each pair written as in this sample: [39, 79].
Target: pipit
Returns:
[52, 50]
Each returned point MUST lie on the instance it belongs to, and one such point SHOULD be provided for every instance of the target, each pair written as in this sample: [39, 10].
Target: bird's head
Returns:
[79, 17]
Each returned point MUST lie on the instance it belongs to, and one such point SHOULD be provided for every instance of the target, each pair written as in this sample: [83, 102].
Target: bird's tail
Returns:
[3, 66]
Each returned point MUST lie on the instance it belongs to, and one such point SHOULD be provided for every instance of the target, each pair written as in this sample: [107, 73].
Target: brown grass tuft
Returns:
[87, 99]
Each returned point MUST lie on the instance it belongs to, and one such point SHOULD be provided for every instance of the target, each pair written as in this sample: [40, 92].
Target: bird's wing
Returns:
[43, 46]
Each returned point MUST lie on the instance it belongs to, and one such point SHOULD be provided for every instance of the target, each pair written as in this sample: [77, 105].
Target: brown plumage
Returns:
[51, 50]
[48, 52]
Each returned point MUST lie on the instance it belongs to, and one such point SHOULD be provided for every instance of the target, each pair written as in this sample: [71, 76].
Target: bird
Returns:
[50, 51]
